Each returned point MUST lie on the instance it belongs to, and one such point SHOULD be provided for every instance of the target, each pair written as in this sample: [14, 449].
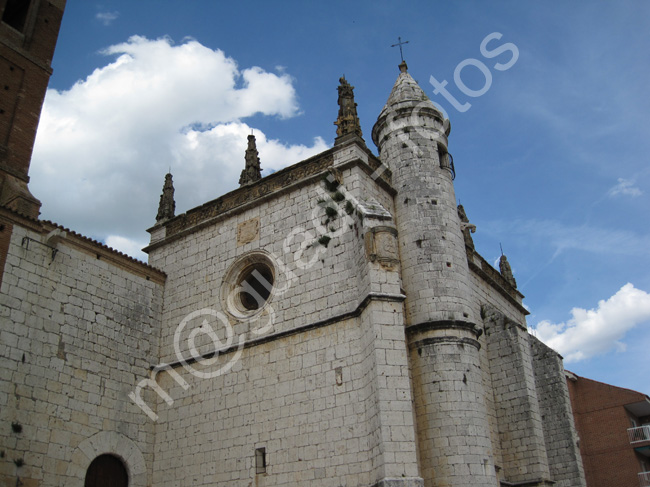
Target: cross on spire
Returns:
[400, 43]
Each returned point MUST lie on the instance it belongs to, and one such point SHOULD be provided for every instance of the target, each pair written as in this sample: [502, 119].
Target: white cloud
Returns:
[625, 187]
[107, 18]
[596, 331]
[104, 146]
[128, 246]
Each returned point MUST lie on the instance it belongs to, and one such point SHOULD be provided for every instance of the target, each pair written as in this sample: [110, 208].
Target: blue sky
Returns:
[551, 160]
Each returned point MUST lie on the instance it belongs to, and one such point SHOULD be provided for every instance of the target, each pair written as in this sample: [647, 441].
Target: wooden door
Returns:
[106, 471]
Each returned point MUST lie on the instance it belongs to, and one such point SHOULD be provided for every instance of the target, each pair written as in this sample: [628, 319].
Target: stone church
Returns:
[330, 324]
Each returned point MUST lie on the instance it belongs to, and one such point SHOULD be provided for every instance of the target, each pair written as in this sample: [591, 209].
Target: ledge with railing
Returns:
[644, 479]
[640, 433]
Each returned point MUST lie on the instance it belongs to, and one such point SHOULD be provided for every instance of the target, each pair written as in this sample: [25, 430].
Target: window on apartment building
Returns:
[15, 13]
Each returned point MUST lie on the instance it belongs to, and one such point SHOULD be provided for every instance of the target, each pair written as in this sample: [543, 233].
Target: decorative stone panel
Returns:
[248, 231]
[381, 246]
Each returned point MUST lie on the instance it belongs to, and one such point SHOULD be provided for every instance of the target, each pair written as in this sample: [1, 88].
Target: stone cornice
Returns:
[101, 251]
[444, 340]
[419, 335]
[86, 245]
[443, 325]
[355, 313]
[272, 184]
[266, 188]
[492, 277]
[20, 219]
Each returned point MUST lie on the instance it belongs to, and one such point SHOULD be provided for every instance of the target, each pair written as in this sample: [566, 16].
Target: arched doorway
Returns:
[106, 471]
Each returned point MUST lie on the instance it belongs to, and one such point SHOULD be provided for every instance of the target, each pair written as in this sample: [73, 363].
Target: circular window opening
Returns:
[248, 285]
[255, 284]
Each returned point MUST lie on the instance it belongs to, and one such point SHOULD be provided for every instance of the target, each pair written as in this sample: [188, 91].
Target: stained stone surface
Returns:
[386, 353]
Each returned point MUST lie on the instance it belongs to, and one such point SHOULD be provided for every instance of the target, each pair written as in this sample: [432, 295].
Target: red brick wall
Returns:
[602, 423]
[24, 73]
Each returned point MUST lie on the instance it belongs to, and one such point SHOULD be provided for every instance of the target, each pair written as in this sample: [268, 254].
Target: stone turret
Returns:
[411, 135]
[167, 205]
[252, 172]
[453, 430]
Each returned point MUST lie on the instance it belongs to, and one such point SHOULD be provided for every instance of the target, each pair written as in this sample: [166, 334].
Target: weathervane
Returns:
[400, 43]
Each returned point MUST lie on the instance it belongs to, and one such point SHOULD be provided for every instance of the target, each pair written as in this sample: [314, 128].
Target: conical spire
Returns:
[506, 271]
[406, 89]
[407, 97]
[167, 206]
[252, 172]
[348, 120]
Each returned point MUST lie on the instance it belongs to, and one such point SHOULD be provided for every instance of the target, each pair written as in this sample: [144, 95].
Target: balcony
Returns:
[640, 433]
[644, 479]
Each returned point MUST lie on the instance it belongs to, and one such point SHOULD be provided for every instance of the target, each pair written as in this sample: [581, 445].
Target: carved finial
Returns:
[348, 121]
[252, 172]
[167, 206]
[506, 271]
[466, 227]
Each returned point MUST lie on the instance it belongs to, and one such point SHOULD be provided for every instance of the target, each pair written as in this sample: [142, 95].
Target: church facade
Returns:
[330, 324]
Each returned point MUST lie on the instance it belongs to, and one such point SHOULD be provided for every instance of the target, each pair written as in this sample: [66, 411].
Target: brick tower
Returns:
[453, 430]
[28, 34]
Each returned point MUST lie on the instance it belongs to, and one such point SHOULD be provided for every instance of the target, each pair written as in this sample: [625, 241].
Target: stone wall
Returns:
[490, 289]
[517, 408]
[559, 428]
[312, 281]
[283, 396]
[312, 400]
[319, 377]
[79, 329]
